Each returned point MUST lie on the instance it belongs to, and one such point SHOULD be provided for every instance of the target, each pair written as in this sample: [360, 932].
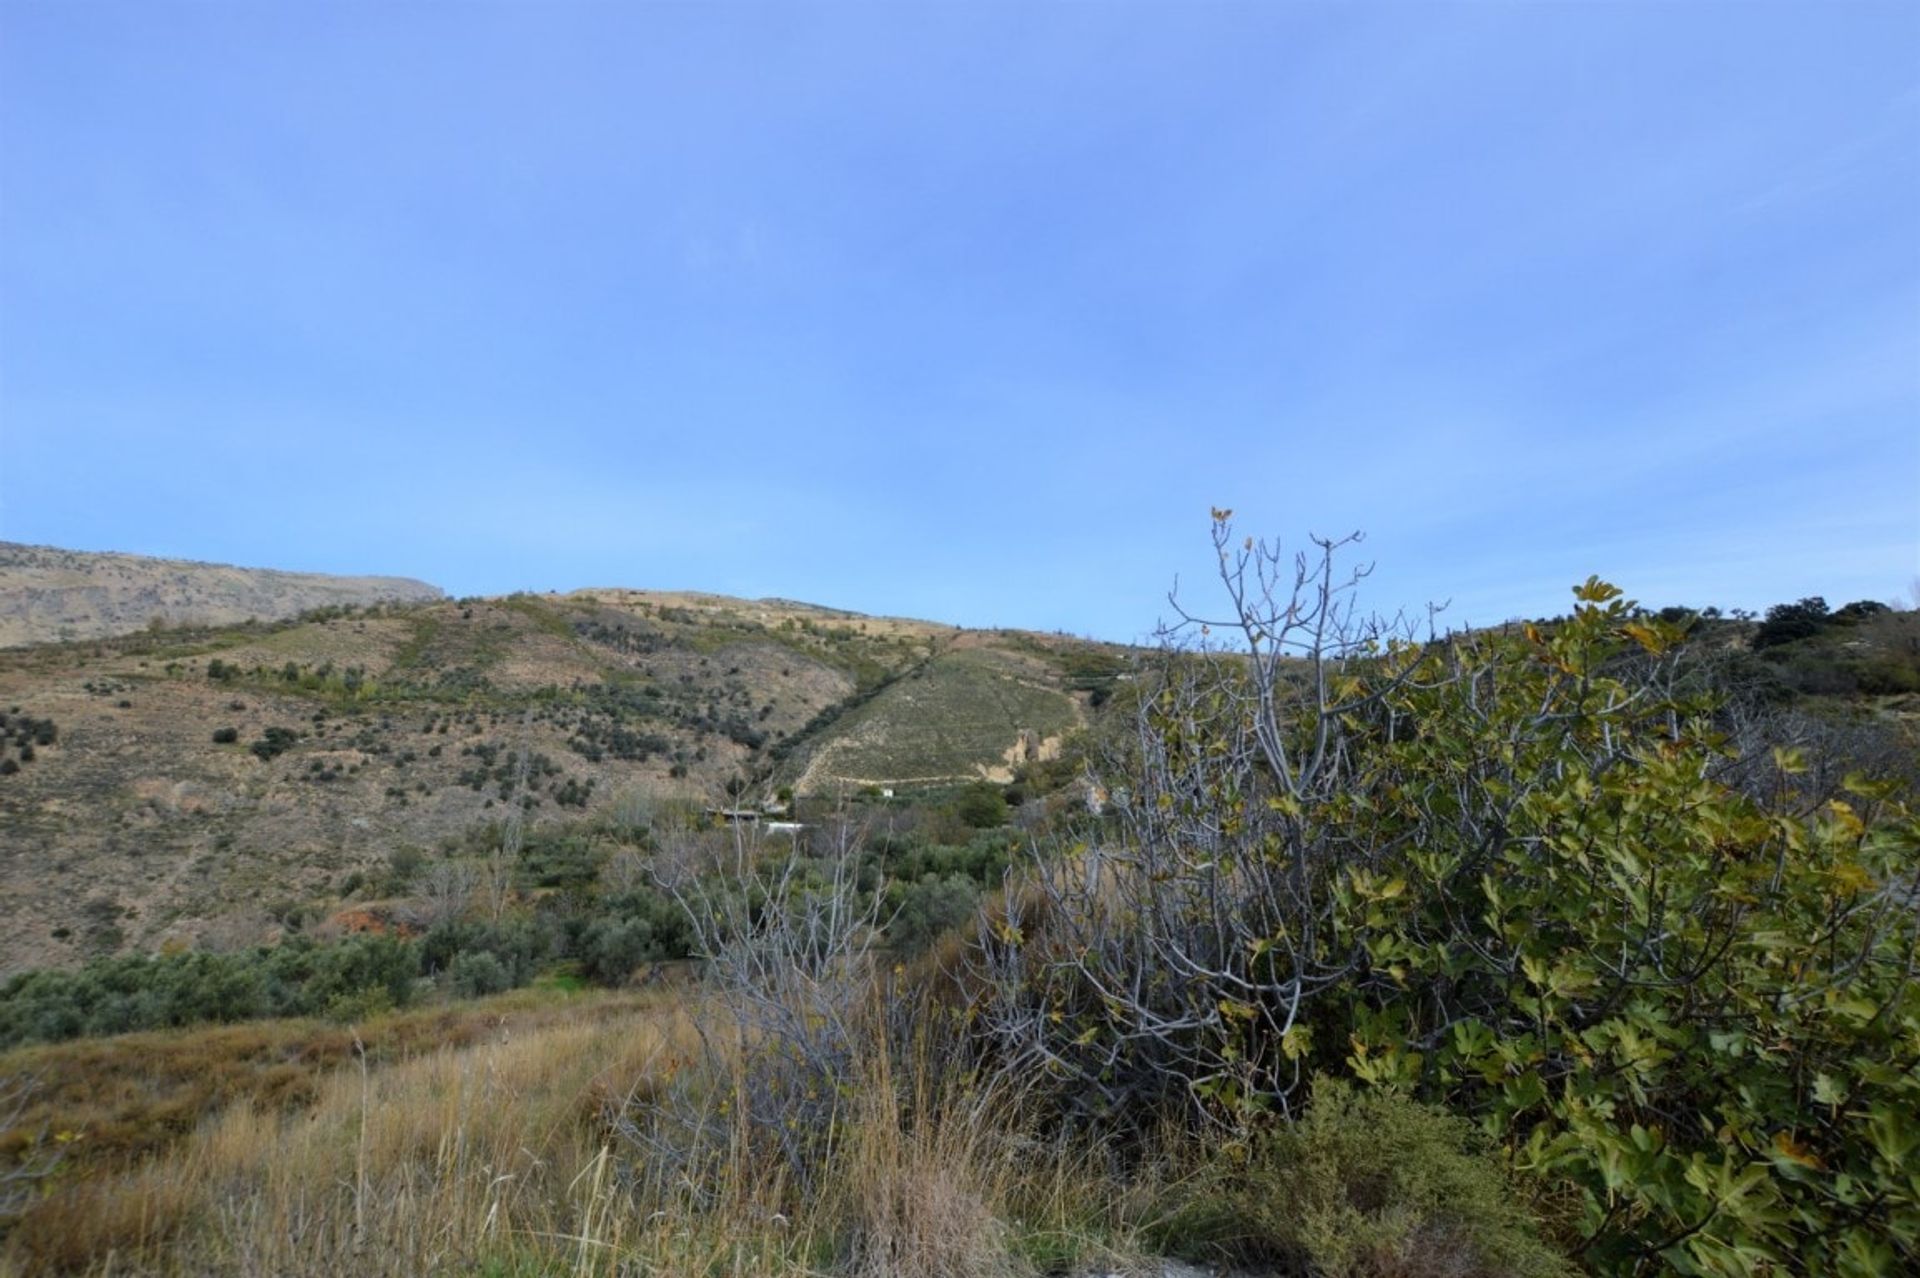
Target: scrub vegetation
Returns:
[1314, 943]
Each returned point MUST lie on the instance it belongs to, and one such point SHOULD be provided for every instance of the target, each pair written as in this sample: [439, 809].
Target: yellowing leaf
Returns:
[1646, 636]
[1850, 877]
[1787, 1147]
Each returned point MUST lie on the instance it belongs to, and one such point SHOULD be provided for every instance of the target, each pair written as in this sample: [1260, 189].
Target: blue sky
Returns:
[970, 311]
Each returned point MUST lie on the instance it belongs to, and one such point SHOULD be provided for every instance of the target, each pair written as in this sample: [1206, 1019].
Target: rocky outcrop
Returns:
[48, 595]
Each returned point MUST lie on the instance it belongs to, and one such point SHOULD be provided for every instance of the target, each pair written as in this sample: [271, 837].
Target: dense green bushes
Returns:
[1501, 872]
[517, 947]
[1863, 649]
[298, 978]
[1696, 1007]
[981, 805]
[345, 979]
[476, 973]
[630, 929]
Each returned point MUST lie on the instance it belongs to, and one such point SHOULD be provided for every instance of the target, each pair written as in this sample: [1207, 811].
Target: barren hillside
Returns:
[193, 786]
[48, 595]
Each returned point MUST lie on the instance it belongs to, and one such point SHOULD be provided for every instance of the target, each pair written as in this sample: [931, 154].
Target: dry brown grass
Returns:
[925, 1177]
[133, 1095]
[419, 1165]
[492, 1149]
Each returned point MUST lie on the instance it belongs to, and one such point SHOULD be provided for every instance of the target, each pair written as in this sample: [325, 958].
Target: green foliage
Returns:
[555, 860]
[515, 946]
[297, 978]
[1694, 1008]
[1527, 893]
[1698, 1010]
[1367, 1183]
[1790, 621]
[611, 949]
[982, 857]
[930, 908]
[1862, 649]
[404, 864]
[275, 742]
[981, 805]
[1837, 667]
[477, 972]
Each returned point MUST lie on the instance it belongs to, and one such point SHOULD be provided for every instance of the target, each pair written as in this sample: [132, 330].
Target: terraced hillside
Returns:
[935, 723]
[197, 786]
[48, 595]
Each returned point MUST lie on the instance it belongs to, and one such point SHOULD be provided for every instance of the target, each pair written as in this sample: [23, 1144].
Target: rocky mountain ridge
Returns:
[50, 595]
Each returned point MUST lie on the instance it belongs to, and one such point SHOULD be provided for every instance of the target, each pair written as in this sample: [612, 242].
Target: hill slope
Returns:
[48, 595]
[194, 785]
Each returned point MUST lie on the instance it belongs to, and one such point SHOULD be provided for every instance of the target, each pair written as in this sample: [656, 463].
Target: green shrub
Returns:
[1786, 623]
[519, 946]
[349, 1006]
[981, 805]
[931, 908]
[611, 949]
[475, 973]
[404, 864]
[275, 742]
[1367, 1183]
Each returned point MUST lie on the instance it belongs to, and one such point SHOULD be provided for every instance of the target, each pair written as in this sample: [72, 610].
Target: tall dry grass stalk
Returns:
[927, 1170]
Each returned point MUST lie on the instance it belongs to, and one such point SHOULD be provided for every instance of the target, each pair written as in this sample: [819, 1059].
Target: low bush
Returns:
[1367, 1183]
[929, 909]
[475, 973]
[275, 742]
